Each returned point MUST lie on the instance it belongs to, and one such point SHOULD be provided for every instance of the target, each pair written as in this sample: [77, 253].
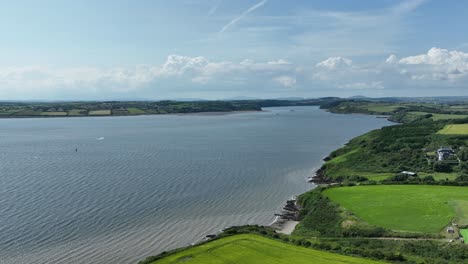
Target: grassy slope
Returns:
[404, 207]
[256, 249]
[456, 129]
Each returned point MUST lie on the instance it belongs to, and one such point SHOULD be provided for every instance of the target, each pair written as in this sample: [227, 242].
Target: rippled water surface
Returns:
[139, 185]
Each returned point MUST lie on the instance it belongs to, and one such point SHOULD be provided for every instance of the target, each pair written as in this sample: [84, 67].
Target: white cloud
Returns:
[176, 71]
[241, 16]
[362, 85]
[334, 63]
[286, 81]
[437, 69]
[407, 6]
[437, 64]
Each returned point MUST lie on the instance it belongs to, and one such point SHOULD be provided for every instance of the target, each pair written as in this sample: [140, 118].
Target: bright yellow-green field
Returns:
[416, 208]
[456, 129]
[253, 249]
[100, 112]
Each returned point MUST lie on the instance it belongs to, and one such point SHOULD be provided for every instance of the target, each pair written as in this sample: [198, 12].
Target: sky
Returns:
[220, 49]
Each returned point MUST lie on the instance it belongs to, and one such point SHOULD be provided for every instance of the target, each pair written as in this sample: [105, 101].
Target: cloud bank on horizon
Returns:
[251, 48]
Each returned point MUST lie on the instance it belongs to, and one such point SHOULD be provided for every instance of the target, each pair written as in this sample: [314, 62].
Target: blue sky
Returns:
[220, 49]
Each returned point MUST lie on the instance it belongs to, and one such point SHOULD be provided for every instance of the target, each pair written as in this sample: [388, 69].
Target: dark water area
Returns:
[117, 189]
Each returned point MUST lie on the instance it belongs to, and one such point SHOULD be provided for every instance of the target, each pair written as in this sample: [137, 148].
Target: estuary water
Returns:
[118, 189]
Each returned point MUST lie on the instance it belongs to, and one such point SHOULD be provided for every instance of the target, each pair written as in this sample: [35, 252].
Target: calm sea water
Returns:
[139, 185]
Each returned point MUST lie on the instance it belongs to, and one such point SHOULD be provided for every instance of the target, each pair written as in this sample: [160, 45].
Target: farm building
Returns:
[444, 153]
[450, 230]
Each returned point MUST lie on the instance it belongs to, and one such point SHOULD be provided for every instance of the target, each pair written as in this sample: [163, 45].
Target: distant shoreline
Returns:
[208, 113]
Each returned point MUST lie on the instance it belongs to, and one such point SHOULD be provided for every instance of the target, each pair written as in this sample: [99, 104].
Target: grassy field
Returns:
[100, 112]
[439, 175]
[437, 117]
[457, 129]
[247, 249]
[415, 208]
[383, 108]
[135, 111]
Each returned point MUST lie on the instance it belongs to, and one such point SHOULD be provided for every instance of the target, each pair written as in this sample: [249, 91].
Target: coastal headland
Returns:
[422, 162]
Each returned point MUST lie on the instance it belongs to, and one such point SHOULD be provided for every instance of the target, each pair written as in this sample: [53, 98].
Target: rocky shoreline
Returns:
[288, 218]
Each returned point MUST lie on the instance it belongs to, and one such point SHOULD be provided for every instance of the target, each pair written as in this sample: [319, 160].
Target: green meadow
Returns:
[415, 208]
[454, 129]
[250, 249]
[437, 117]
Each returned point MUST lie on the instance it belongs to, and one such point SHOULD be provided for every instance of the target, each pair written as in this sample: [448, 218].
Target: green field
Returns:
[437, 117]
[415, 208]
[383, 108]
[256, 249]
[451, 176]
[135, 111]
[457, 129]
[100, 112]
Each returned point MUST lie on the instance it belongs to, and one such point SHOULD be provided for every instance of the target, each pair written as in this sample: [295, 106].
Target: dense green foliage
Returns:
[319, 217]
[388, 150]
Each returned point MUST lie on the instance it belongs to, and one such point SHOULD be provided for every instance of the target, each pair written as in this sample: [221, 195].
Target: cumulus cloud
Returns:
[437, 69]
[334, 63]
[184, 70]
[437, 64]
